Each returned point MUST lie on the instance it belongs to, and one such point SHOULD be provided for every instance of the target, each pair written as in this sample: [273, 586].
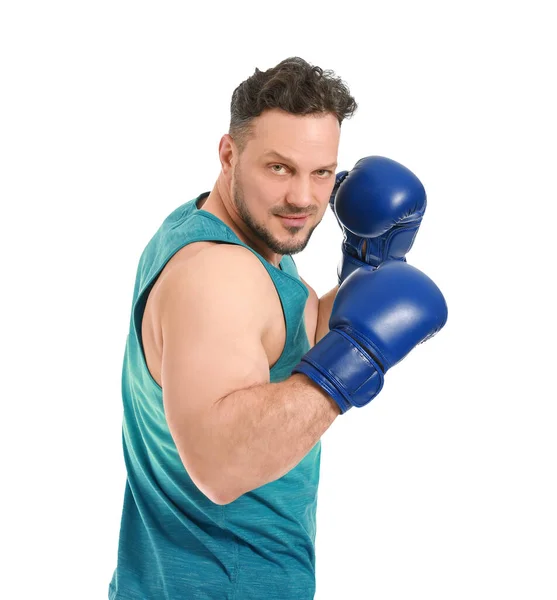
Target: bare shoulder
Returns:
[215, 255]
[227, 277]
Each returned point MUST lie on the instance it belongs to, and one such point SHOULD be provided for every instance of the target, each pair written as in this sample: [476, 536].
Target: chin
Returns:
[290, 245]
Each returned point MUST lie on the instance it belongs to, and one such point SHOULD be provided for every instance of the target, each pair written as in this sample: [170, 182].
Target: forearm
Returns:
[261, 433]
[324, 314]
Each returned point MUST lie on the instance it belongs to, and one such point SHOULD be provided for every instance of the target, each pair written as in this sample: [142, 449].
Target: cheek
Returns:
[264, 194]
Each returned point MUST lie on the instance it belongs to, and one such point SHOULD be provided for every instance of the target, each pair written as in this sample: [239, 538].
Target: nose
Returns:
[300, 193]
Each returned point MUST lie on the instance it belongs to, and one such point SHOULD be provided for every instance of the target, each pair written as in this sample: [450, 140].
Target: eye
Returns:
[323, 172]
[277, 165]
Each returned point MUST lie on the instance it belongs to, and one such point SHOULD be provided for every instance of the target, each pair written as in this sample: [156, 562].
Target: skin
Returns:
[256, 187]
[234, 430]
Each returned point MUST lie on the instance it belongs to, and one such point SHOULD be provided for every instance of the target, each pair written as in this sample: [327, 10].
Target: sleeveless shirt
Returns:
[175, 543]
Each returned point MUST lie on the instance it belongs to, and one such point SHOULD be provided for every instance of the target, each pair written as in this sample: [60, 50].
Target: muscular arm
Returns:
[265, 431]
[272, 427]
[234, 430]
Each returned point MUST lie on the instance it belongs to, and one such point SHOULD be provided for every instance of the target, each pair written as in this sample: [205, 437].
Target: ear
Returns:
[227, 153]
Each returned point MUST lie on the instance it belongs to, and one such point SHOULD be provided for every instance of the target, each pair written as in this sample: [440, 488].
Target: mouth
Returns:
[294, 220]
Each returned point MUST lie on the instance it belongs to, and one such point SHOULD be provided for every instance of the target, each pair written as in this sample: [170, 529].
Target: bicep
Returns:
[212, 325]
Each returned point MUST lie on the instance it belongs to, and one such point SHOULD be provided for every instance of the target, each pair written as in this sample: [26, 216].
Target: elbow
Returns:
[223, 500]
[210, 493]
[220, 497]
[217, 496]
[208, 478]
[217, 493]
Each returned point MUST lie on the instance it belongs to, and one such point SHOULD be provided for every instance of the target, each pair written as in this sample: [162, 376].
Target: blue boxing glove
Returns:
[379, 205]
[378, 317]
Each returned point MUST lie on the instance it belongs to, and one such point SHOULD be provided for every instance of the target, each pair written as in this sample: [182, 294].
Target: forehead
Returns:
[296, 136]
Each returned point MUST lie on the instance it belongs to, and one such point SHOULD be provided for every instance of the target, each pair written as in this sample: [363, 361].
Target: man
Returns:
[224, 404]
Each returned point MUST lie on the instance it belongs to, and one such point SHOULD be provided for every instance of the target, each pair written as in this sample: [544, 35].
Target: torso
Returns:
[273, 341]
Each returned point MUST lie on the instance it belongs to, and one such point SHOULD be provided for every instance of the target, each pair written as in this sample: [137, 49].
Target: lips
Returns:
[294, 221]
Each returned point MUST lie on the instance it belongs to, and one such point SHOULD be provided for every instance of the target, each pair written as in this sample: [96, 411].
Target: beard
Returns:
[260, 231]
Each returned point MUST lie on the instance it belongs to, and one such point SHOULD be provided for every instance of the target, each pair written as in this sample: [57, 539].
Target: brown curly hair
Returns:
[294, 86]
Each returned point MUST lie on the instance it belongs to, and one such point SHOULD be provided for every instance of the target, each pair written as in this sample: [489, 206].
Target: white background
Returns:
[111, 113]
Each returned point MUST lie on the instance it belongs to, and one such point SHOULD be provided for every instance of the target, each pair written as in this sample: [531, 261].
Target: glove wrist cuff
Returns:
[348, 264]
[343, 368]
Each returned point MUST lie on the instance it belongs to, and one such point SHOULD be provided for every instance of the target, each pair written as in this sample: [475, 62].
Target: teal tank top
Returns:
[174, 543]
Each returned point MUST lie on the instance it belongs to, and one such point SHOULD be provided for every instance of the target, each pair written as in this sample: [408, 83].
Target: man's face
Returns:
[287, 169]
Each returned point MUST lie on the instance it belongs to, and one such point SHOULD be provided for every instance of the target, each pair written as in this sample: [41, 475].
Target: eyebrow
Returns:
[288, 160]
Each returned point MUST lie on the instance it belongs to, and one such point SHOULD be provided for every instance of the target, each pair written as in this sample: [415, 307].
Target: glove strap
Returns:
[344, 369]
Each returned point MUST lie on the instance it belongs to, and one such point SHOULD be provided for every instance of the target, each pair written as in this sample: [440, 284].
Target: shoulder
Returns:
[216, 254]
[208, 260]
[216, 273]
